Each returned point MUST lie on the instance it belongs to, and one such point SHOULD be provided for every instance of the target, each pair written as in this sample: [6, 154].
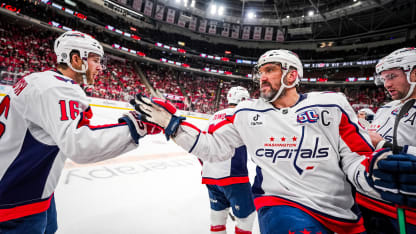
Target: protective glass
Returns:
[380, 79]
[258, 72]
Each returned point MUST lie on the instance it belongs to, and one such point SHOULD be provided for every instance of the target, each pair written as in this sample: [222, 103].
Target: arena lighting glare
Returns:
[251, 15]
[193, 3]
[221, 10]
[311, 13]
[288, 16]
[213, 8]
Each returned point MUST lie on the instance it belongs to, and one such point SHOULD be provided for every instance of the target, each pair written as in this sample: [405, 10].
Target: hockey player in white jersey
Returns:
[227, 181]
[44, 120]
[397, 72]
[309, 149]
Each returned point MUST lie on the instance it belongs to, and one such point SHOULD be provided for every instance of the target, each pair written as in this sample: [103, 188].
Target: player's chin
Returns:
[265, 95]
[94, 76]
[395, 95]
[265, 89]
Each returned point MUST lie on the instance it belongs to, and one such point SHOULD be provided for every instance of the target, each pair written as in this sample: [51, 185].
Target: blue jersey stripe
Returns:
[258, 181]
[239, 162]
[26, 177]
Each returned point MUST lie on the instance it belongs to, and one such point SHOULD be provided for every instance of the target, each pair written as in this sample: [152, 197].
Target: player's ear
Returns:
[413, 75]
[76, 59]
[292, 76]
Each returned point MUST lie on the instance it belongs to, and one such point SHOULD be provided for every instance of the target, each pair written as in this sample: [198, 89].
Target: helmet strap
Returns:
[283, 86]
[84, 67]
[412, 86]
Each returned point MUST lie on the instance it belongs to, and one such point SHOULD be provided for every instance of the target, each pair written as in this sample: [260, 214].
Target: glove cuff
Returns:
[132, 127]
[379, 154]
[387, 144]
[380, 144]
[173, 125]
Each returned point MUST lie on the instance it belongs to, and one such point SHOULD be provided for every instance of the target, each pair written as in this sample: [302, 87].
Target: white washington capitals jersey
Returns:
[44, 119]
[406, 134]
[230, 171]
[308, 156]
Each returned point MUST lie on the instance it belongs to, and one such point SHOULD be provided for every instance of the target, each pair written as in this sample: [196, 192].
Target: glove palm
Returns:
[159, 112]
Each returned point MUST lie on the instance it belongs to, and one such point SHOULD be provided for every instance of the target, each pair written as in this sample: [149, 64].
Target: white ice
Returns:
[155, 189]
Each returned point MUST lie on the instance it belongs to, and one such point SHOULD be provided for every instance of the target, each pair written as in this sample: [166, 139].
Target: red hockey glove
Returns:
[159, 112]
[138, 128]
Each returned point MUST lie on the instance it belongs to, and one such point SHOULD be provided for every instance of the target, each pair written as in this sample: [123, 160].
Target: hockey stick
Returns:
[401, 218]
[231, 216]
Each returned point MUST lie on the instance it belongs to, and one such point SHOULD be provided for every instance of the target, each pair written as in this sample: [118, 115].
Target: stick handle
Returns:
[402, 220]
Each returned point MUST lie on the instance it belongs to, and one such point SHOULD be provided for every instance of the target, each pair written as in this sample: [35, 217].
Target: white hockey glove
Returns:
[159, 112]
[138, 128]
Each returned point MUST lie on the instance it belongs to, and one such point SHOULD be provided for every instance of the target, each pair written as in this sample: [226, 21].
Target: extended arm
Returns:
[62, 113]
[216, 145]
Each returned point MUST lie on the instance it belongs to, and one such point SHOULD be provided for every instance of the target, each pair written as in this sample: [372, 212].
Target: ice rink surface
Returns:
[154, 189]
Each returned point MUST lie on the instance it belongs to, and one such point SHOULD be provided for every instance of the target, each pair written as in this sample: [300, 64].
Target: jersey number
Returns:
[4, 110]
[73, 109]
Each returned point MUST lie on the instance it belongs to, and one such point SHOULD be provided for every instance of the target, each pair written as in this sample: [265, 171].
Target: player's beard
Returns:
[399, 95]
[90, 77]
[269, 95]
[78, 78]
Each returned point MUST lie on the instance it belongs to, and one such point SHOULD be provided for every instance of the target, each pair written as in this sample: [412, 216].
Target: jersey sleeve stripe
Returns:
[196, 141]
[190, 125]
[106, 126]
[85, 117]
[350, 135]
[214, 127]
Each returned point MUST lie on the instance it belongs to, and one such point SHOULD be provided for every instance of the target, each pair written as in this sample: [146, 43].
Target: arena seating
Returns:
[28, 49]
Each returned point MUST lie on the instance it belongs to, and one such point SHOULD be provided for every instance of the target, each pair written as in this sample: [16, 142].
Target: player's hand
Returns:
[159, 112]
[375, 137]
[137, 127]
[394, 176]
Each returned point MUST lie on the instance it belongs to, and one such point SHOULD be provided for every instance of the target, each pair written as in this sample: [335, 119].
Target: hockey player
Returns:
[397, 71]
[365, 116]
[44, 120]
[227, 181]
[309, 149]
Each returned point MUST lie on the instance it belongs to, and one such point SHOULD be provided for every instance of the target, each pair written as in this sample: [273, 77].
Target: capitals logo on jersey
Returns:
[309, 116]
[295, 151]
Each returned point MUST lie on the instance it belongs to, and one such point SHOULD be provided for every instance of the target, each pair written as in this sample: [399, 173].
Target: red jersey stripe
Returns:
[226, 181]
[24, 210]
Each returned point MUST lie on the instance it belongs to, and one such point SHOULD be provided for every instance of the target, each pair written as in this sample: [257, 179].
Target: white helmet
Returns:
[287, 59]
[405, 59]
[369, 114]
[75, 40]
[237, 94]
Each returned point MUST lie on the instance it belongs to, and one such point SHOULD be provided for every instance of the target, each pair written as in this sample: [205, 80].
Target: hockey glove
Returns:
[138, 128]
[394, 176]
[159, 112]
